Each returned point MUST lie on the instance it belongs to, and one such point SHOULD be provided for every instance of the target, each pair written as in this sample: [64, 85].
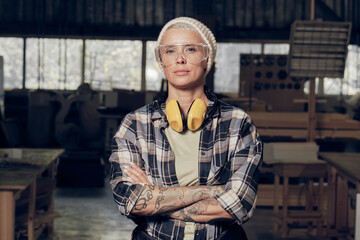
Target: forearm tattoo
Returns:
[199, 208]
[144, 199]
[180, 214]
[160, 198]
[173, 198]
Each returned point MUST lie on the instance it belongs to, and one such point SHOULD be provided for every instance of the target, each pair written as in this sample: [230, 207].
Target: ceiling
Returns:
[231, 20]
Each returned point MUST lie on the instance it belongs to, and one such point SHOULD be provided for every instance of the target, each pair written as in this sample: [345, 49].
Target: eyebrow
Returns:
[183, 44]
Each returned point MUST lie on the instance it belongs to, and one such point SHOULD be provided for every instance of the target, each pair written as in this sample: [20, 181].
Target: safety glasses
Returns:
[194, 53]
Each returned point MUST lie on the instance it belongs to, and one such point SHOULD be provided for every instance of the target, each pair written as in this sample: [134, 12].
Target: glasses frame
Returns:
[158, 54]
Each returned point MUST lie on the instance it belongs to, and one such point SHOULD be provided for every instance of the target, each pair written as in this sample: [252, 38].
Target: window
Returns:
[350, 84]
[56, 64]
[53, 63]
[276, 48]
[153, 71]
[11, 49]
[227, 65]
[113, 64]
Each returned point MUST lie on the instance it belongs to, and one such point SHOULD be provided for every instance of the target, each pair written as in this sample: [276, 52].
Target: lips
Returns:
[181, 72]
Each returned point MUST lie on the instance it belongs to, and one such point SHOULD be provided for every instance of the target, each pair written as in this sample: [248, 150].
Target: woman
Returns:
[186, 167]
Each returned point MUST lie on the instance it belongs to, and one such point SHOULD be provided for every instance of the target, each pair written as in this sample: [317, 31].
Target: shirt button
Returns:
[203, 153]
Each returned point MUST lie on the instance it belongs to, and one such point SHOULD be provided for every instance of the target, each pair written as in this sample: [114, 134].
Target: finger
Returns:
[132, 173]
[138, 170]
[138, 175]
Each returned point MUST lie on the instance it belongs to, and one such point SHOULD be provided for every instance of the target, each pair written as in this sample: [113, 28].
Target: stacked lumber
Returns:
[294, 125]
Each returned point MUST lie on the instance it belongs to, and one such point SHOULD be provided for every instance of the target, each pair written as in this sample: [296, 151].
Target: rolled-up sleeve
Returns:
[239, 197]
[124, 153]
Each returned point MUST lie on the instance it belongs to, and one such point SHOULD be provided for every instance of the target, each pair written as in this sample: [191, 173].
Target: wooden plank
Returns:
[300, 170]
[51, 207]
[31, 211]
[268, 12]
[18, 177]
[258, 13]
[302, 133]
[279, 13]
[291, 152]
[41, 218]
[248, 7]
[118, 12]
[90, 12]
[99, 12]
[300, 124]
[347, 164]
[7, 216]
[357, 217]
[340, 203]
[285, 207]
[276, 200]
[311, 112]
[296, 115]
[80, 11]
[179, 8]
[304, 215]
[109, 12]
[296, 197]
[149, 13]
[331, 197]
[44, 186]
[140, 12]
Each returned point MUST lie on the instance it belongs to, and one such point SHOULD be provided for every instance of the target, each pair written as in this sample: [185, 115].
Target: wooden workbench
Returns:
[343, 168]
[308, 171]
[15, 178]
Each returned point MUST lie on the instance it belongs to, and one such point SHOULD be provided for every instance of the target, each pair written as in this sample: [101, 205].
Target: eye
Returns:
[169, 50]
[191, 49]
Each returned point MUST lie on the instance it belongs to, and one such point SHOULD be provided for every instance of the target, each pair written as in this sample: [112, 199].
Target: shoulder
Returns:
[134, 123]
[142, 118]
[230, 112]
[140, 114]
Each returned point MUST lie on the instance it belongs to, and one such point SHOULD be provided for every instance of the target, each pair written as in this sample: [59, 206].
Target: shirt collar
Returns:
[158, 109]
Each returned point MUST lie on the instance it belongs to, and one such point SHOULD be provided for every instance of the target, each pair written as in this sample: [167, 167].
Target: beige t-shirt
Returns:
[186, 148]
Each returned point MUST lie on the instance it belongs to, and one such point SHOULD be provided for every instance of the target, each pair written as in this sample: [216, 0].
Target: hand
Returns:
[137, 175]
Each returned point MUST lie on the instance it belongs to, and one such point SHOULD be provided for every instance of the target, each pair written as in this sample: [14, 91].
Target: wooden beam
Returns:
[7, 216]
[311, 111]
[31, 210]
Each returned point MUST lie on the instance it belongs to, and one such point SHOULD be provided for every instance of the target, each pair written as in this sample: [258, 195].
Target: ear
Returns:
[205, 63]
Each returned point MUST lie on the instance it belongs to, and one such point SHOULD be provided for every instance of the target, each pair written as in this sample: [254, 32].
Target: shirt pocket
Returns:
[220, 170]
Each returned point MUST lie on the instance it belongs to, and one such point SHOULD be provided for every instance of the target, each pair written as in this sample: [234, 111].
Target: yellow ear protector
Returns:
[194, 119]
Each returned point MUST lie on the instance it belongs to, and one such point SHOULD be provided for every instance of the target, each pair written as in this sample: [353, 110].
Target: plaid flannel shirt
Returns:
[230, 154]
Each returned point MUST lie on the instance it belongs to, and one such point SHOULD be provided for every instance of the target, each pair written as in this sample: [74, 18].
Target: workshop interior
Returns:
[71, 70]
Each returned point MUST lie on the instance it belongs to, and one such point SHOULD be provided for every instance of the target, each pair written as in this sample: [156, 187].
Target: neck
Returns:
[186, 97]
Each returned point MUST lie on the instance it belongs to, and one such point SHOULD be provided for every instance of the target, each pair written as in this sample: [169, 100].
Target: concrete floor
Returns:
[90, 214]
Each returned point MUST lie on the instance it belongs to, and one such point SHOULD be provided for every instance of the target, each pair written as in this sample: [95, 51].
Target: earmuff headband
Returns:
[194, 119]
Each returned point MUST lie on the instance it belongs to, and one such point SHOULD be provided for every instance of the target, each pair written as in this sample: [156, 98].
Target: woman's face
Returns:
[183, 74]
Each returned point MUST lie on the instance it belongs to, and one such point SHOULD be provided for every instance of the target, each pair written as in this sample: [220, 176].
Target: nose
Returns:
[180, 58]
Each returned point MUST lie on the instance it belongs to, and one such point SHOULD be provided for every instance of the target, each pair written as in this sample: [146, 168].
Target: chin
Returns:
[186, 84]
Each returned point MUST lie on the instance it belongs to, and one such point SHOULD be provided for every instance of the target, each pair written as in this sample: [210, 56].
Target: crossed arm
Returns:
[193, 204]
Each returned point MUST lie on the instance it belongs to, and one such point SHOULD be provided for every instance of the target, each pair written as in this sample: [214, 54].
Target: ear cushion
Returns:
[174, 115]
[196, 114]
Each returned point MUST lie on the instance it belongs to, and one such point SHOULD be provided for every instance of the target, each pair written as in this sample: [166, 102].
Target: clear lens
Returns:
[193, 53]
